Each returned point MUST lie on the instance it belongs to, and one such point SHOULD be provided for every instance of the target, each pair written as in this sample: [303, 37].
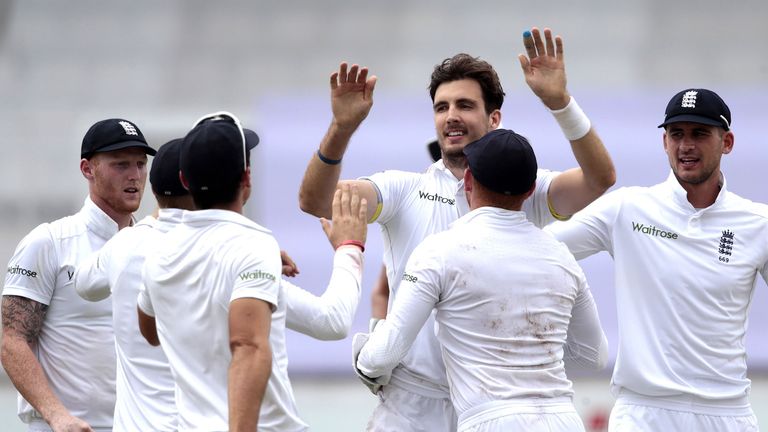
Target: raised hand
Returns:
[349, 217]
[544, 67]
[351, 95]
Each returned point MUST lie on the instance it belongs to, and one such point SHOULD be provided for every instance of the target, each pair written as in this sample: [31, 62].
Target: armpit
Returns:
[23, 317]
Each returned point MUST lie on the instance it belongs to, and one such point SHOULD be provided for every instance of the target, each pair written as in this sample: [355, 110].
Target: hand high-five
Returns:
[351, 95]
[544, 67]
[349, 217]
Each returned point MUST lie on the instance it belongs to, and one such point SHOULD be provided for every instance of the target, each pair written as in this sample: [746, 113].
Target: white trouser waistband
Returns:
[427, 389]
[738, 406]
[500, 408]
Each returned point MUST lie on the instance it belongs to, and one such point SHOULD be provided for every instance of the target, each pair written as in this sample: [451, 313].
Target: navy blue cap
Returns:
[503, 162]
[698, 106]
[164, 173]
[212, 154]
[113, 134]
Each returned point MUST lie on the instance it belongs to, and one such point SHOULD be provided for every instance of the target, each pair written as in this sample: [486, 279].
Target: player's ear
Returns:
[86, 168]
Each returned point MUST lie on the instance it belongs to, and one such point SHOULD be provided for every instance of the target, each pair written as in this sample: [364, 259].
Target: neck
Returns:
[456, 165]
[121, 219]
[702, 195]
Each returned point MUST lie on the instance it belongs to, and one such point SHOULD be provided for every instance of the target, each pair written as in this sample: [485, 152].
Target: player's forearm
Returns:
[586, 343]
[28, 377]
[249, 372]
[595, 163]
[320, 179]
[330, 316]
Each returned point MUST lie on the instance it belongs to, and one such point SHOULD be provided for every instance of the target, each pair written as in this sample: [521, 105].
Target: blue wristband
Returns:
[327, 160]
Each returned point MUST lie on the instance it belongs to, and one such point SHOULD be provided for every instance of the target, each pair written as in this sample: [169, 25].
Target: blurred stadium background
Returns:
[65, 65]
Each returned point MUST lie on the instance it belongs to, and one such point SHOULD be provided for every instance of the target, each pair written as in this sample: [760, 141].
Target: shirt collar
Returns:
[494, 213]
[201, 217]
[680, 195]
[98, 221]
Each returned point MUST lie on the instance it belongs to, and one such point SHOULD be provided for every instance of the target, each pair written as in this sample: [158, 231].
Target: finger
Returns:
[524, 63]
[326, 227]
[336, 205]
[287, 260]
[530, 49]
[288, 271]
[334, 80]
[345, 201]
[354, 201]
[548, 40]
[538, 41]
[352, 76]
[362, 76]
[343, 72]
[369, 85]
[559, 48]
[362, 214]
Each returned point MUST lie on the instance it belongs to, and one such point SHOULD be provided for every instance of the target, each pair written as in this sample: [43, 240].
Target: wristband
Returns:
[572, 120]
[357, 243]
[327, 160]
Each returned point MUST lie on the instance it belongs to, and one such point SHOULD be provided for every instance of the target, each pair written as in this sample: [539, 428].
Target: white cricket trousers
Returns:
[530, 415]
[633, 412]
[400, 410]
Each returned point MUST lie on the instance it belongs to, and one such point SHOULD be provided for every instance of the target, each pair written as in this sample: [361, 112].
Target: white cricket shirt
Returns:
[684, 282]
[329, 316]
[415, 205]
[505, 293]
[76, 344]
[145, 387]
[211, 259]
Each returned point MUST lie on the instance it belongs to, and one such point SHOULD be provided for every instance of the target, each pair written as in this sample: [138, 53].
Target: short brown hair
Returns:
[464, 66]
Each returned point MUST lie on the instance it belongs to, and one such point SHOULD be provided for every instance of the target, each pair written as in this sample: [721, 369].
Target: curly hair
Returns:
[464, 66]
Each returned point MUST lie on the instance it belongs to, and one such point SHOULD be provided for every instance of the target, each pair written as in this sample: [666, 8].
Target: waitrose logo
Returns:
[436, 198]
[653, 231]
[258, 274]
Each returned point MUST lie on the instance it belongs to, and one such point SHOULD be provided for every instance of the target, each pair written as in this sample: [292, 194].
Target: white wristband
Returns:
[572, 120]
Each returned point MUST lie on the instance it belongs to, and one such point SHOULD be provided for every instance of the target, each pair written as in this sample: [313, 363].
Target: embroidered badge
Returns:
[129, 128]
[689, 99]
[725, 249]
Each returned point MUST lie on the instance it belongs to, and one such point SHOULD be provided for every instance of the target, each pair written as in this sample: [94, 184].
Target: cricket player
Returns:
[57, 348]
[145, 387]
[467, 98]
[687, 254]
[213, 294]
[502, 328]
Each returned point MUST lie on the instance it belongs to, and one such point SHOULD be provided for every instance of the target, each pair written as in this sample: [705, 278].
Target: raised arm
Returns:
[249, 325]
[351, 101]
[330, 316]
[22, 321]
[544, 70]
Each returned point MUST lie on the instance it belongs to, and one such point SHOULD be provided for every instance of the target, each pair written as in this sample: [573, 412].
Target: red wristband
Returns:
[357, 243]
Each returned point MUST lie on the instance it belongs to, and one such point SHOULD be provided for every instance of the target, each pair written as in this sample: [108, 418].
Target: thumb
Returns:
[525, 64]
[369, 85]
[326, 226]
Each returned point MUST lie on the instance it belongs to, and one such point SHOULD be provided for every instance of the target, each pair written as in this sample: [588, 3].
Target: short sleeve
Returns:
[590, 230]
[392, 187]
[257, 274]
[536, 207]
[33, 267]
